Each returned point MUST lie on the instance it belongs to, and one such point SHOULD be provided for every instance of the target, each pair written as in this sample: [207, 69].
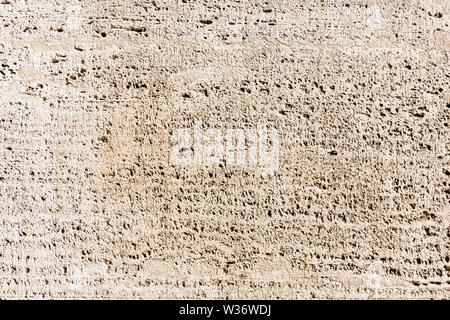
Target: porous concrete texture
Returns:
[92, 207]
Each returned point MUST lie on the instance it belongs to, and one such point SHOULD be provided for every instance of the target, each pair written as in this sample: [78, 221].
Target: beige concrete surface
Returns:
[92, 205]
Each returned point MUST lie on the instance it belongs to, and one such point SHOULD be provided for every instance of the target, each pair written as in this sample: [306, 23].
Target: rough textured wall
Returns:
[91, 204]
